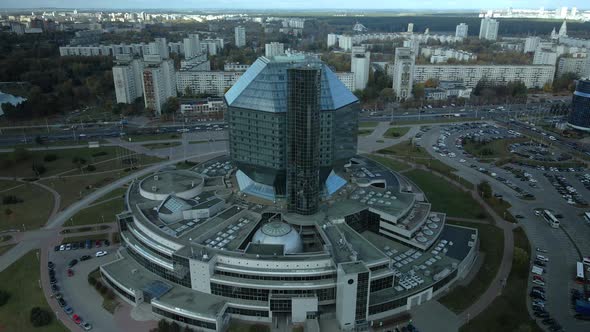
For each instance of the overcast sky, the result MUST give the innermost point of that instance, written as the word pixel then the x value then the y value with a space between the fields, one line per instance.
pixel 296 4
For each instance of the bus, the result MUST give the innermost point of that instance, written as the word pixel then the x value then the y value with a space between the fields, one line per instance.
pixel 550 218
pixel 580 278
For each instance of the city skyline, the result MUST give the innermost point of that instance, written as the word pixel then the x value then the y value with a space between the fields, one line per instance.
pixel 298 4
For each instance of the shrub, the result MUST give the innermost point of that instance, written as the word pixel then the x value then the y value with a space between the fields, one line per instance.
pixel 11 199
pixel 50 157
pixel 91 168
pixel 39 168
pixel 40 317
pixel 92 280
pixel 4 297
pixel 8 212
pixel 100 153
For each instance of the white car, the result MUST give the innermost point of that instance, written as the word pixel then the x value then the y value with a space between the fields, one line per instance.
pixel 538 282
pixel 101 253
pixel 542 258
pixel 461 160
pixel 62 247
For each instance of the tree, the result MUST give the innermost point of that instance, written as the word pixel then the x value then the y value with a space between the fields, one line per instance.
pixel 40 317
pixel 163 326
pixel 50 157
pixel 418 91
pixel 4 297
pixel 520 260
pixel 485 189
pixel 39 169
pixel 174 327
pixel 170 106
pixel 431 83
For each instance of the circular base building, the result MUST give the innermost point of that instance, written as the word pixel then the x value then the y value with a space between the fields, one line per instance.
pixel 318 233
pixel 579 117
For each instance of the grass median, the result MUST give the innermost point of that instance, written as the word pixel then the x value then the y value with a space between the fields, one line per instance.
pixel 508 312
pixel 396 132
pixel 492 246
pixel 31 206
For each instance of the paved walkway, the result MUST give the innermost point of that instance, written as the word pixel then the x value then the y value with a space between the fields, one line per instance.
pixel 375 141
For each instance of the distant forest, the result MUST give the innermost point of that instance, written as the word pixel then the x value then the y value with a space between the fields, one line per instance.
pixel 436 23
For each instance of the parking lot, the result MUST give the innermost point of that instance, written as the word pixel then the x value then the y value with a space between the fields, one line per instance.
pixel 79 300
pixel 559 272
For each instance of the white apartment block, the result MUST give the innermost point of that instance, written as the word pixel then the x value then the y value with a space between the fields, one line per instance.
pixel 206 82
pixel 345 42
pixel 462 30
pixel 159 83
pixel 579 65
pixel 545 57
pixel 533 76
pixel 127 77
pixel 531 44
pixel 489 29
pixel 240 36
pixel 360 66
pixel 347 78
pixel 410 27
pixel 274 49
pixel 235 66
pixel 192 46
pixel 332 39
pixel 160 47
pixel 441 55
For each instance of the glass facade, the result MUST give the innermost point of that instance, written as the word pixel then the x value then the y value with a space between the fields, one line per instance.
pixel 580 113
pixel 362 296
pixel 303 144
pixel 184 319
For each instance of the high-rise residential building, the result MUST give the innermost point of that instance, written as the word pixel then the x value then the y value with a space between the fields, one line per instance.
pixel 347 78
pixel 579 117
pixel 159 82
pixel 240 36
pixel 192 46
pixel 159 47
pixel 531 44
pixel 360 66
pixel 274 49
pixel 345 42
pixel 403 72
pixel 214 83
pixel 257 104
pixel 545 56
pixel 579 65
pixel 462 30
pixel 332 39
pixel 488 29
pixel 410 27
pixel 563 12
pixel 127 77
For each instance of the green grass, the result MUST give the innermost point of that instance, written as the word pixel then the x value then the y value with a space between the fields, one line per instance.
pixel 439 120
pixel 365 132
pixel 492 244
pixel 33 212
pixel 100 212
pixel 154 137
pixel 5 248
pixel 491 150
pixel 508 312
pixel 390 163
pixel 396 132
pixel 10 165
pixel 21 280
pixel 163 145
pixel 72 239
pixel 368 124
pixel 446 197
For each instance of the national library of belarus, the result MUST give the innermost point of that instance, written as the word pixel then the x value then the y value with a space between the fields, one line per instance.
pixel 292 225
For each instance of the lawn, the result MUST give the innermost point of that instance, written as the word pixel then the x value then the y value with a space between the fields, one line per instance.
pixel 33 211
pixel 396 132
pixel 492 245
pixel 435 120
pixel 21 280
pixel 390 163
pixel 154 137
pixel 20 163
pixel 446 197
pixel 509 312
pixel 103 211
pixel 163 145
pixel 368 124
pixel 365 132
pixel 498 148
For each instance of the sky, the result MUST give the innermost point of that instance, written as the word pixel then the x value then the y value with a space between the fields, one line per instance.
pixel 296 4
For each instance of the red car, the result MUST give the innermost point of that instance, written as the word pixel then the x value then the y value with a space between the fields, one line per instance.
pixel 76 319
pixel 70 273
pixel 536 277
pixel 97 244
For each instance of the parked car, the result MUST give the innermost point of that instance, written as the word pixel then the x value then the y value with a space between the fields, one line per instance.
pixel 97 244
pixel 541 314
pixel 68 310
pixel 107 243
pixel 76 319
pixel 70 273
pixel 72 262
pixel 85 257
pixel 56 248
pixel 86 326
pixel 62 247
pixel 88 244
pixel 54 288
pixel 101 253
pixel 542 258
pixel 62 302
pixel 50 265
